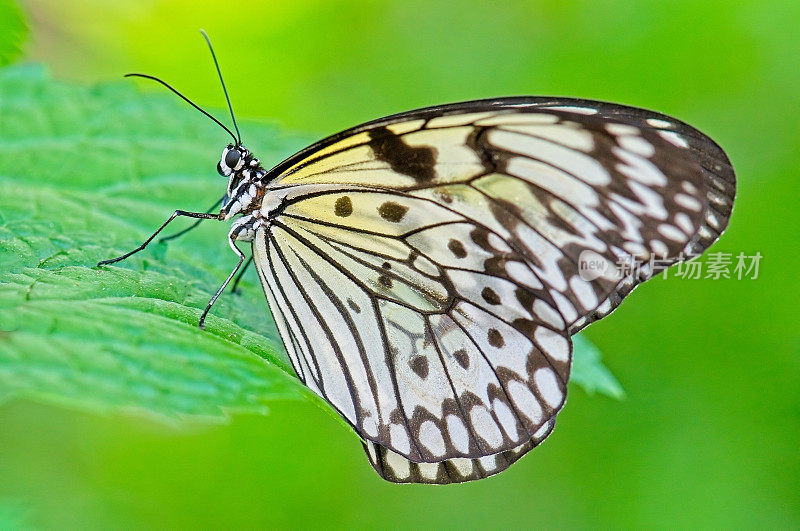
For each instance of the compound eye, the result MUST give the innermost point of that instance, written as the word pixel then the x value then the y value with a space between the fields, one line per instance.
pixel 232 158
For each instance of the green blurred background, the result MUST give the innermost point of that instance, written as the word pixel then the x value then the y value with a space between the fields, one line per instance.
pixel 709 435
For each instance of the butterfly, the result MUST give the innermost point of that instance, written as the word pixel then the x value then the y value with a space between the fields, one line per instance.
pixel 427 270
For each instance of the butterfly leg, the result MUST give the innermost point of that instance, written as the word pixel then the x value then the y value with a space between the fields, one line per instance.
pixel 232 242
pixel 234 289
pixel 177 213
pixel 195 224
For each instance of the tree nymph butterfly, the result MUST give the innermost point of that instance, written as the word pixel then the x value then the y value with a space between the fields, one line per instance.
pixel 424 269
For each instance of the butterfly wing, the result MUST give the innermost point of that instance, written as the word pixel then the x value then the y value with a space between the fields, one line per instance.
pixel 395 468
pixel 432 350
pixel 424 269
pixel 633 178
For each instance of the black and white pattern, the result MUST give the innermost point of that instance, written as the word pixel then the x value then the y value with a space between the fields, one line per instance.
pixel 395 468
pixel 423 268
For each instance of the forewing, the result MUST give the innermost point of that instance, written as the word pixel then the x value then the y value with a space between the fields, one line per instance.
pixel 562 180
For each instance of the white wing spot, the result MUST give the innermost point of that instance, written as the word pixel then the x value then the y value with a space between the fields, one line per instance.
pixel 399 465
pixel 564 306
pixel 547 385
pixel 498 243
pixel 525 401
pixel 653 202
pixel 370 425
pixel 489 462
pixel 659 248
pixel 541 432
pixel 522 274
pixel 639 168
pixel 583 292
pixel 521 118
pixel 622 129
pixel 507 419
pixel 518 449
pixel 636 249
pixel 463 466
pixel 685 223
pixel 485 426
pixel 656 122
pixel 712 220
pixel 270 202
pixel 404 127
pixel 554 344
pixel 689 188
pixel 671 232
pixel 578 110
pixel 458 433
pixel 637 144
pixel 399 438
pixel 547 314
pixel 428 470
pixel 689 202
pixel 431 438
pixel 604 308
pixel 371 452
pixel 674 138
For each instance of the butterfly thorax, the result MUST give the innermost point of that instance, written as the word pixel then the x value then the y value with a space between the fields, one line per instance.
pixel 245 193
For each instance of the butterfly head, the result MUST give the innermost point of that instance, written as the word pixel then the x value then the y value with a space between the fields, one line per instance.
pixel 244 173
pixel 234 159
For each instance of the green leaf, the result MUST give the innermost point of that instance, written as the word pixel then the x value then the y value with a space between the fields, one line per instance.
pixel 87 174
pixel 13 31
pixel 14 514
pixel 589 372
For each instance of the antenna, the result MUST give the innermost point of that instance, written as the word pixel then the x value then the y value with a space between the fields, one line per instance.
pixel 187 100
pixel 225 90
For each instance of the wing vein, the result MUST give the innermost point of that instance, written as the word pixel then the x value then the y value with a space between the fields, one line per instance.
pixel 326 329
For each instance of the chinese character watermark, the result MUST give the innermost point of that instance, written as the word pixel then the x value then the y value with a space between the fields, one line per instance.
pixel 716 266
pixel 751 266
